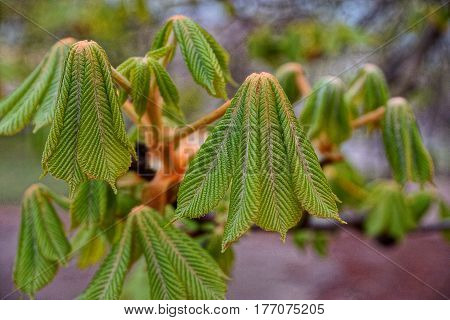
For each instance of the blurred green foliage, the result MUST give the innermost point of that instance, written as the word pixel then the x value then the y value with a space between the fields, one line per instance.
pixel 303 41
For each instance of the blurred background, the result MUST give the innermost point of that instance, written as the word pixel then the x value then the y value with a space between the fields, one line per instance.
pixel 409 40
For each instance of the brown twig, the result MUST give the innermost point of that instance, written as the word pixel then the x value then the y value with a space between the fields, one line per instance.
pixel 370 117
pixel 182 132
pixel 154 114
pixel 302 82
pixel 300 78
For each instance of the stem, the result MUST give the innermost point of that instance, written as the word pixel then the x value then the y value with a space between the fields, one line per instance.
pixel 128 109
pixel 180 133
pixel 300 78
pixel 123 82
pixel 370 117
pixel 154 114
pixel 302 83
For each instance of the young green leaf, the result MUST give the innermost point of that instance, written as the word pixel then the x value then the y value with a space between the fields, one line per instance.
pixel 160 52
pixel 42 242
pixel 36 96
pixel 222 56
pixel 178 268
pixel 90 203
pixel 389 213
pixel 90 244
pixel 168 91
pixel 407 155
pixel 108 280
pixel 162 36
pixel 224 259
pixel 140 81
pixel 125 69
pixel 368 89
pixel 139 70
pixel 88 138
pixel 419 202
pixel 205 58
pixel 259 147
pixel 326 112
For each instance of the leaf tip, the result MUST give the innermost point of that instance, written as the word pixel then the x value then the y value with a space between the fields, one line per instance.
pixel 339 219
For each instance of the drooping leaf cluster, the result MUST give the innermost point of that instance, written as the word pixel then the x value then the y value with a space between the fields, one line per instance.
pixel 346 182
pixel 142 71
pixel 87 139
pixel 260 149
pixel 405 151
pixel 207 61
pixel 178 268
pixel 326 112
pixel 368 90
pixel 35 99
pixel 388 211
pixel 43 245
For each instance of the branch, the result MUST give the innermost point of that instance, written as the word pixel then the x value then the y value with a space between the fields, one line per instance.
pixel 302 83
pixel 369 117
pixel 120 80
pixel 154 114
pixel 128 109
pixel 182 132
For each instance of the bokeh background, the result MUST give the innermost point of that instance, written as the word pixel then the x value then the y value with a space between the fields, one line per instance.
pixel 409 40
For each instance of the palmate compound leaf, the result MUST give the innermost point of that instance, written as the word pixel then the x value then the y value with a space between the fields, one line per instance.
pixel 42 243
pixel 405 151
pixel 87 139
pixel 259 147
pixel 326 111
pixel 141 71
pixel 389 213
pixel 36 97
pixel 178 268
pixel 205 58
pixel 368 90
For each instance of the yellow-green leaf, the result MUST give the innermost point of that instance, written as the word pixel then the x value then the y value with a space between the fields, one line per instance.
pixel 87 139
pixel 42 245
pixel 407 155
pixel 36 97
pixel 260 149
